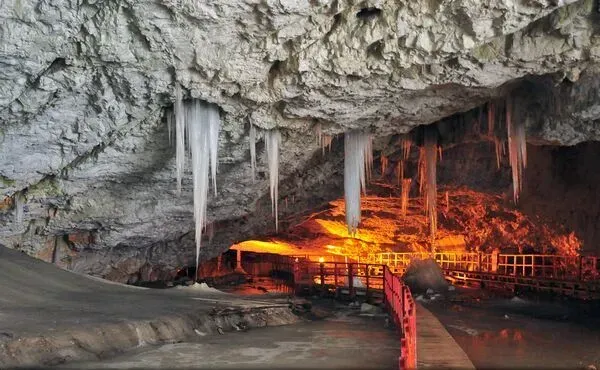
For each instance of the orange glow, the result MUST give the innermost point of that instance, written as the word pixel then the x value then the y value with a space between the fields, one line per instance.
pixel 321 259
pixel 473 220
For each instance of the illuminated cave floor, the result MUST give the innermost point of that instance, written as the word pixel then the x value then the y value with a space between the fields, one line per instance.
pixel 345 340
pixel 520 333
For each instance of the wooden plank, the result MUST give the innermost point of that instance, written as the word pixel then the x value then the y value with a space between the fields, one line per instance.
pixel 436 349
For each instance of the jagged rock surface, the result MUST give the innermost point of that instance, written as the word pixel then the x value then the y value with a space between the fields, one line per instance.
pixel 84 88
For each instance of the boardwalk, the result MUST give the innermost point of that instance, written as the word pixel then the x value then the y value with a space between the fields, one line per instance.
pixel 436 349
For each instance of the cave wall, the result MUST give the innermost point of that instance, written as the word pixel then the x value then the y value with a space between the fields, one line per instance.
pixel 563 183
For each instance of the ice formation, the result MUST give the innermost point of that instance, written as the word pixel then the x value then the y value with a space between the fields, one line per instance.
pixel 19 208
pixel 170 118
pixel 430 162
pixel 252 140
pixel 357 158
pixel 405 195
pixel 179 135
pixel 384 165
pixel 517 150
pixel 200 122
pixel 272 140
pixel 405 143
pixel 400 172
pixel 323 140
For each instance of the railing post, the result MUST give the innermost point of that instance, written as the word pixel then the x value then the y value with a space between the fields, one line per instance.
pixel 367 273
pixel 579 268
pixel 335 274
pixel 495 254
pixel 350 281
pixel 322 272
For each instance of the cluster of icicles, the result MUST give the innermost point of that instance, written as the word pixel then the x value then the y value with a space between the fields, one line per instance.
pixel 197 124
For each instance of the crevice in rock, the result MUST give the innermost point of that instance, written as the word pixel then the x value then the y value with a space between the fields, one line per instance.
pixel 369 13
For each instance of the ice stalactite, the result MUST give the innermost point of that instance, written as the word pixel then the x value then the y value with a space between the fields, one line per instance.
pixel 421 171
pixel 499 148
pixel 400 172
pixel 405 195
pixel 203 124
pixel 214 126
pixel 356 149
pixel 323 140
pixel 440 152
pixel 170 119
pixel 405 144
pixel 447 202
pixel 491 117
pixel 19 204
pixel 430 149
pixel 326 142
pixel 179 114
pixel 272 141
pixel 252 140
pixel 517 150
pixel 367 143
pixel 384 165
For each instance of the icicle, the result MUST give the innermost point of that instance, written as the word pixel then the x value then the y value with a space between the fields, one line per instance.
pixel 170 118
pixel 252 140
pixel 367 142
pixel 440 152
pixel 214 126
pixel 179 135
pixel 517 150
pixel 491 116
pixel 447 202
pixel 19 208
pixel 326 143
pixel 384 165
pixel 430 145
pixel 499 148
pixel 400 172
pixel 200 122
pixel 405 144
pixel 404 195
pixel 354 176
pixel 272 140
pixel 319 133
pixel 421 171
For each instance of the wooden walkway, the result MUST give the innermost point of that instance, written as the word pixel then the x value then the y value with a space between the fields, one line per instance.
pixel 436 349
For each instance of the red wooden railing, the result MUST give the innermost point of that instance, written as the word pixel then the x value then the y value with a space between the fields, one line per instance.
pixel 402 306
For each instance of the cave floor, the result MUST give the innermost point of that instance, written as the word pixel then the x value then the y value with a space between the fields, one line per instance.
pixel 344 340
pixel 37 298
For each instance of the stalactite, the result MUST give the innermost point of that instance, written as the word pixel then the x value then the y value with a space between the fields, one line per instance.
pixel 491 116
pixel 440 150
pixel 356 147
pixel 179 135
pixel 384 165
pixel 499 148
pixel 400 172
pixel 421 171
pixel 368 156
pixel 430 149
pixel 19 204
pixel 404 195
pixel 517 150
pixel 203 124
pixel 272 141
pixel 326 143
pixel 252 140
pixel 405 143
pixel 170 119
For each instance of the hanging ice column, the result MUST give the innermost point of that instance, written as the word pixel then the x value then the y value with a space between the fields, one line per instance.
pixel 272 140
pixel 517 150
pixel 252 140
pixel 357 159
pixel 201 122
pixel 430 154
